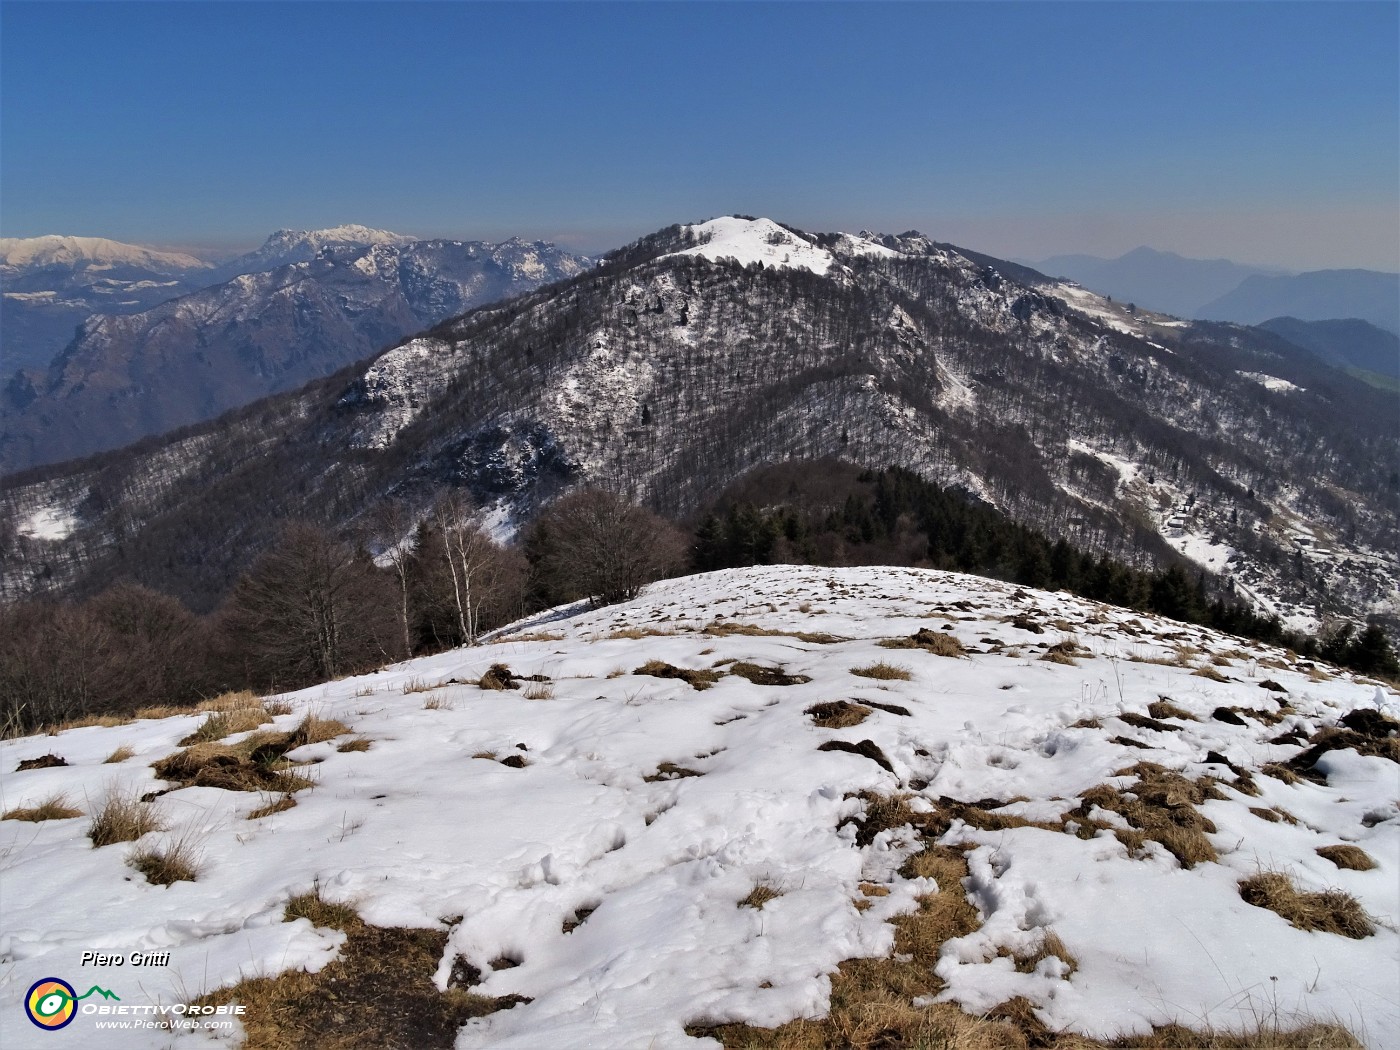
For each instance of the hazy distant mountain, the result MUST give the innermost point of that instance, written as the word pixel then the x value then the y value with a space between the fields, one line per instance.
pixel 1156 280
pixel 1320 295
pixel 194 357
pixel 52 284
pixel 294 246
pixel 1349 343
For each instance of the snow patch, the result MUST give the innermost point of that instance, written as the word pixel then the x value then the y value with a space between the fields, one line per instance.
pixel 751 241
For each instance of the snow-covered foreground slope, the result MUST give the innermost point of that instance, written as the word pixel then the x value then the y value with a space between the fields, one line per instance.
pixel 661 807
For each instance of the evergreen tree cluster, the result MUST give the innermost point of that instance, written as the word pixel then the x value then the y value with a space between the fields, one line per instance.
pixel 893 516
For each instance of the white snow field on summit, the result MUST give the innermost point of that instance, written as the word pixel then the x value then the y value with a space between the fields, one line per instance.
pixel 415 831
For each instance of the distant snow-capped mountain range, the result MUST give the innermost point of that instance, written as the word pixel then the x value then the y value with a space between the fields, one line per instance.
pixel 303 305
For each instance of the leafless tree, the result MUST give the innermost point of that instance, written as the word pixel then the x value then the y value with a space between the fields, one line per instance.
pixel 476 563
pixel 594 544
pixel 392 528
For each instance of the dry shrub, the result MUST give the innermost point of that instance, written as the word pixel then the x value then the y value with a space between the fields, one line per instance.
pixel 55 807
pixel 883 671
pixel 661 669
pixel 837 714
pixel 1331 911
pixel 122 817
pixel 176 861
pixel 1161 807
pixel 121 754
pixel 1353 858
pixel 759 896
pixel 760 675
pixel 1166 709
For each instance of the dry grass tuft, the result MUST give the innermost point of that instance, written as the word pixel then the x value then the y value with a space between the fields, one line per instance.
pixel 255 763
pixel 499 677
pixel 122 817
pixel 177 861
pixel 760 675
pixel 240 700
pixel 81 722
pixel 276 805
pixel 759 896
pixel 277 707
pixel 220 724
pixel 315 730
pixel 162 711
pixel 1265 1037
pixel 1353 858
pixel 437 702
pixel 1211 673
pixel 660 669
pixel 379 992
pixel 1051 947
pixel 321 912
pixel 837 714
pixel 719 627
pixel 121 754
pixel 539 691
pixel 1161 807
pixel 358 744
pixel 883 671
pixel 1166 709
pixel 1331 911
pixel 55 807
pixel 935 642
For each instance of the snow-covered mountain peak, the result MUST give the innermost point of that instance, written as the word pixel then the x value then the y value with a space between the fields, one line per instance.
pixel 56 250
pixel 346 234
pixel 757 240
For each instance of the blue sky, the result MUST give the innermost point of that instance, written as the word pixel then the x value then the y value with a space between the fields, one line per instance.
pixel 1265 132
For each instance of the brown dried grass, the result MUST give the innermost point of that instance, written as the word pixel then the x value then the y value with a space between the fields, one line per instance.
pixel 883 671
pixel 122 817
pixel 1352 858
pixel 1331 911
pixel 55 807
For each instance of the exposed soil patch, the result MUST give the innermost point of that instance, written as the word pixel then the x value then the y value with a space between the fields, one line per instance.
pixel 499 676
pixel 865 748
pixel 42 762
pixel 671 771
pixel 661 669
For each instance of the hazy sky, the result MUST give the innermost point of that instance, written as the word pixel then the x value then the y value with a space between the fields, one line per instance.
pixel 1264 132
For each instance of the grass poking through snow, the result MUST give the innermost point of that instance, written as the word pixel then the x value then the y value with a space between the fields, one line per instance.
pixel 55 807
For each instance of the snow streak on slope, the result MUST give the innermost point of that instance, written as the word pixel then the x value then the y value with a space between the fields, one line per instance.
pixel 660 807
pixel 757 240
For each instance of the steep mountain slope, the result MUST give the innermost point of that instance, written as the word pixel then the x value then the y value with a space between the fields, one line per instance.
pixel 1347 343
pixel 190 359
pixel 1317 296
pixel 51 284
pixel 703 801
pixel 1154 279
pixel 673 367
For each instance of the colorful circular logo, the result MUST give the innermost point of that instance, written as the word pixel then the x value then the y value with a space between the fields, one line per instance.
pixel 51 1003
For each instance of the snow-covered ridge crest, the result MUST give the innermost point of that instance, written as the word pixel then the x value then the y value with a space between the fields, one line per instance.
pixel 56 250
pixel 750 241
pixel 606 836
